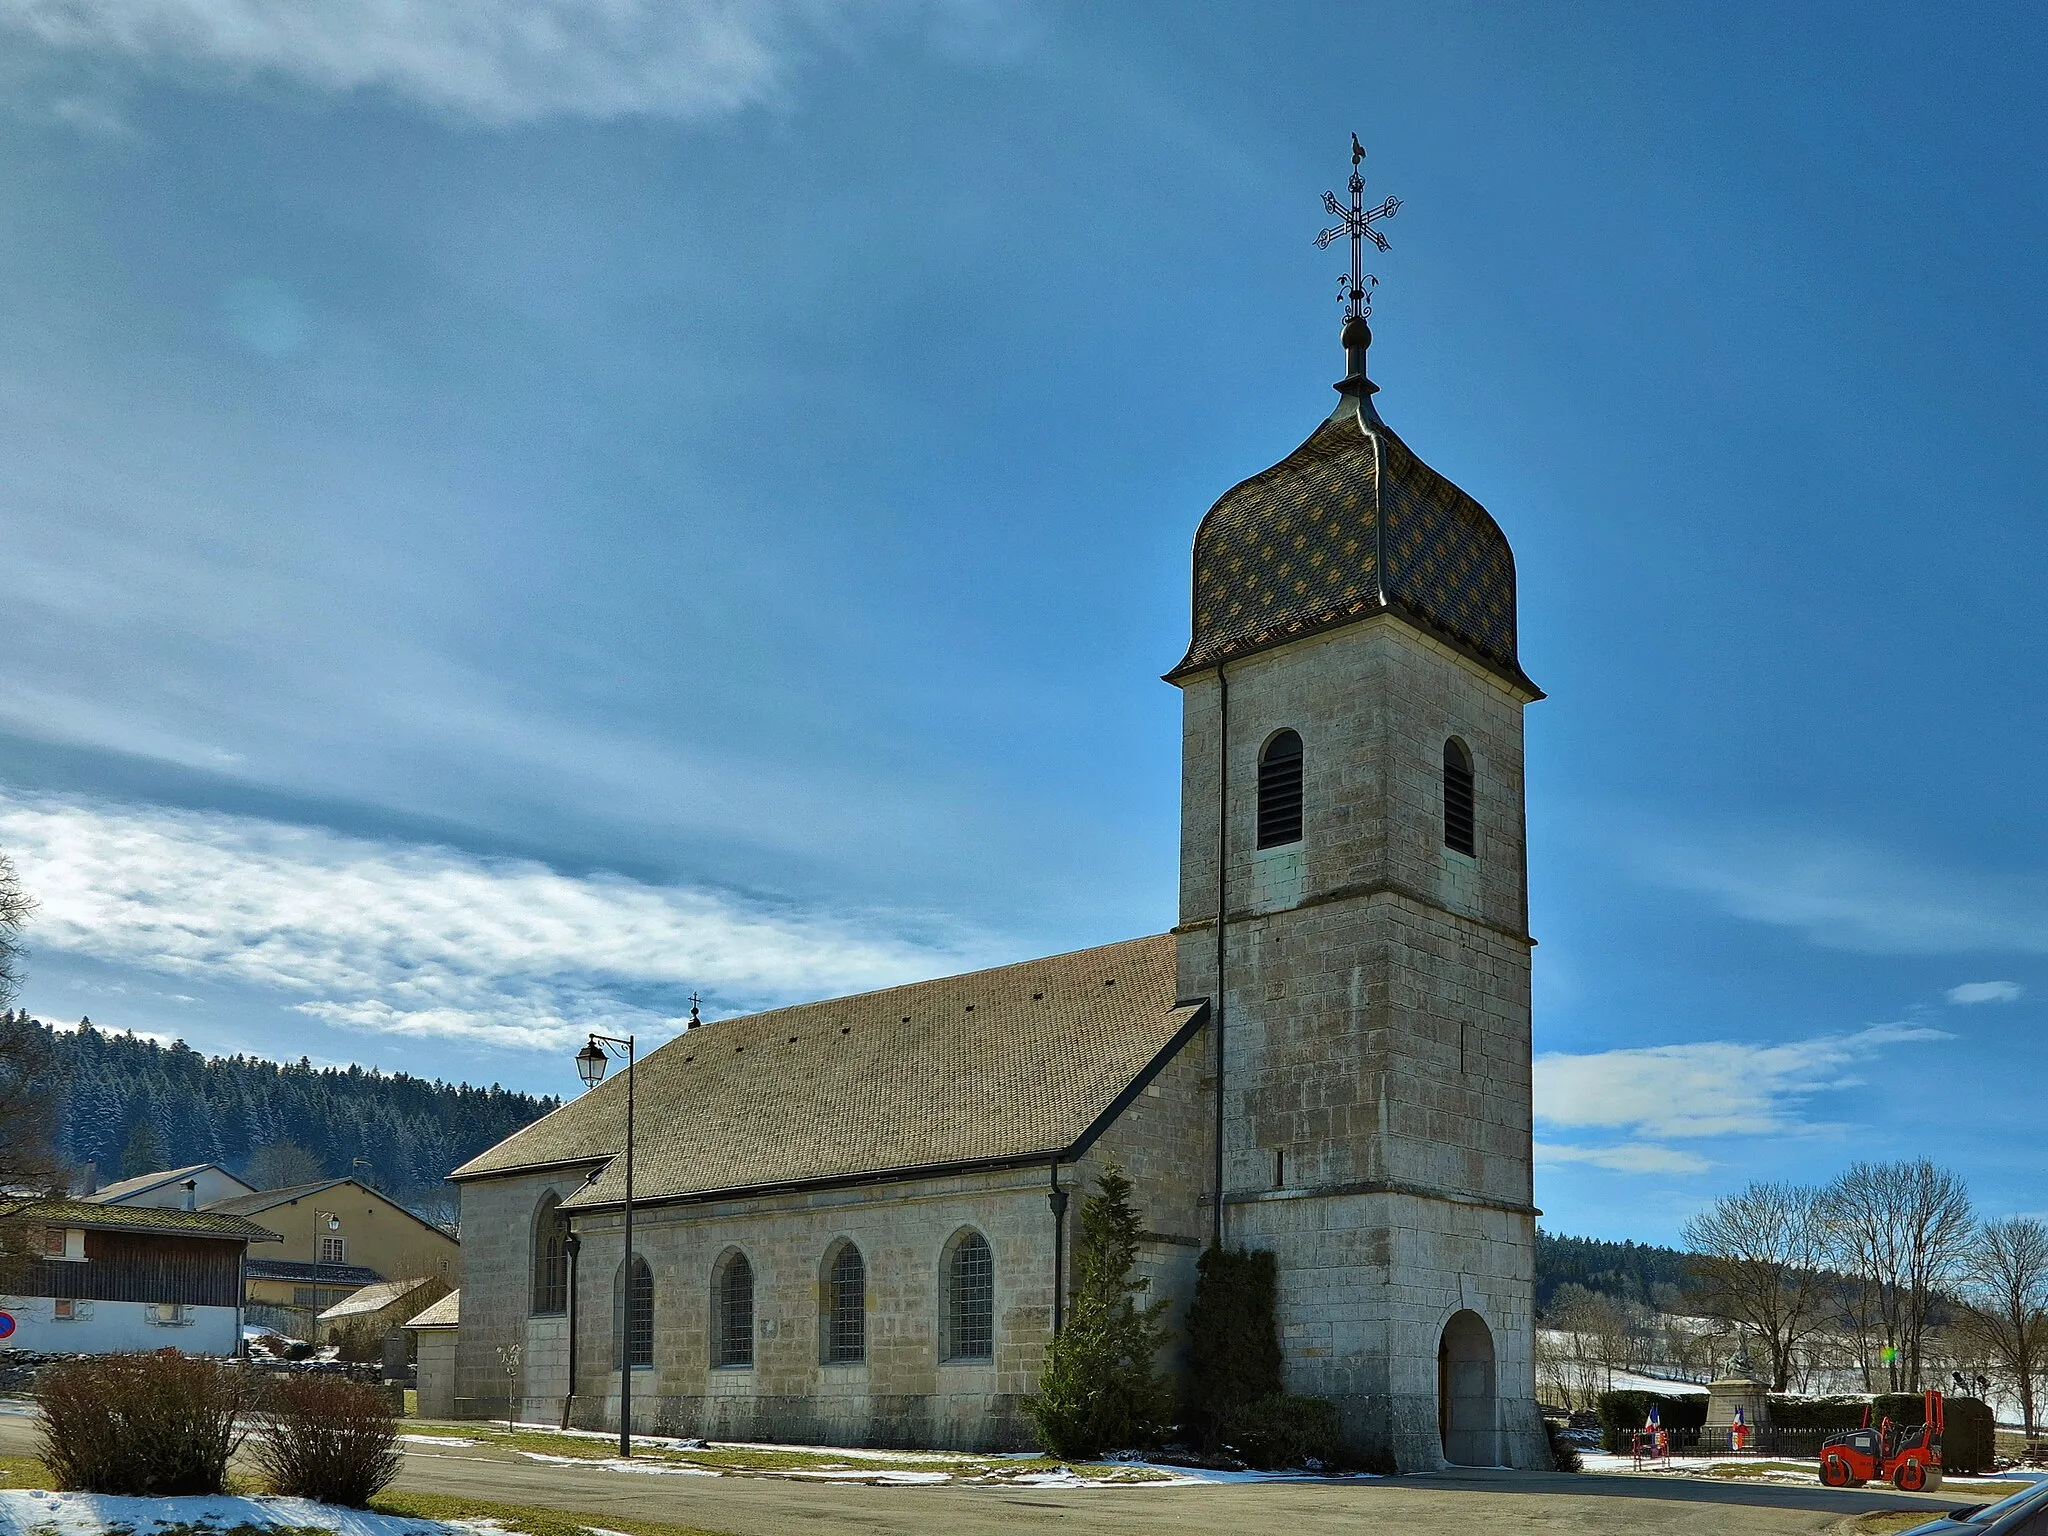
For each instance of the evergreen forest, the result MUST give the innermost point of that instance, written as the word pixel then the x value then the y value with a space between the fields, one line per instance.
pixel 131 1105
pixel 1638 1272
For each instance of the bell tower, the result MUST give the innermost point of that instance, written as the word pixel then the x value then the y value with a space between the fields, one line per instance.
pixel 1354 903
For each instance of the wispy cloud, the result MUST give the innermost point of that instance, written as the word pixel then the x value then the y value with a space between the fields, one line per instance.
pixel 425 940
pixel 1985 992
pixel 1624 1157
pixel 502 61
pixel 1701 1089
pixel 1858 899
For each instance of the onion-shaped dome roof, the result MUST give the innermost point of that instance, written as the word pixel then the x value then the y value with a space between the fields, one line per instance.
pixel 1349 525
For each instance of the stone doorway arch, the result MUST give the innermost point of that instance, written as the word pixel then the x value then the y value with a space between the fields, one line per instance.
pixel 1466 1416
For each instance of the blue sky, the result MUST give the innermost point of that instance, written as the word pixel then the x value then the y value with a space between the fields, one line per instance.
pixel 512 512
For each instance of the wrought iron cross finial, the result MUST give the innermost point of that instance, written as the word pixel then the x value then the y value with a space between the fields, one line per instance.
pixel 1358 224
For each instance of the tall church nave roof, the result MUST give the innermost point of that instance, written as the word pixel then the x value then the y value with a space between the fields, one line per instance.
pixel 1001 1066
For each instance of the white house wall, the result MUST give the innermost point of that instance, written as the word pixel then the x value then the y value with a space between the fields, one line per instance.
pixel 119 1327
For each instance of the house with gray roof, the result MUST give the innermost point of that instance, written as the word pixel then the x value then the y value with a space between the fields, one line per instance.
pixel 109 1279
pixel 188 1188
pixel 852 1219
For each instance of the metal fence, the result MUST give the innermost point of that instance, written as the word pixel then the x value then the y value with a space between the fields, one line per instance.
pixel 1722 1443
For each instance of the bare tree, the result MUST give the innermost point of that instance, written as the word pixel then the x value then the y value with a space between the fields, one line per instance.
pixel 1901 1230
pixel 27 1109
pixel 28 1161
pixel 281 1164
pixel 1757 1262
pixel 16 907
pixel 2005 1300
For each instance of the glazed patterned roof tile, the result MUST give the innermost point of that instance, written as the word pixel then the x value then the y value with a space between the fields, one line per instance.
pixel 1351 524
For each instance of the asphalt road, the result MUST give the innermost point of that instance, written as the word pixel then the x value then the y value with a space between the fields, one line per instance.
pixel 1463 1504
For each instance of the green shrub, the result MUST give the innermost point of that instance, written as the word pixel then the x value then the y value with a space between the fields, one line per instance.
pixel 152 1425
pixel 1233 1338
pixel 1281 1431
pixel 1099 1390
pixel 1563 1454
pixel 1969 1437
pixel 1969 1427
pixel 1622 1413
pixel 1829 1413
pixel 320 1437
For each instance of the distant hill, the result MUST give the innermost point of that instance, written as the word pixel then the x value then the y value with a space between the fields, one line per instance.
pixel 133 1106
pixel 1628 1271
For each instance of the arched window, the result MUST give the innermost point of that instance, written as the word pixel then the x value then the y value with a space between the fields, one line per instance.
pixel 970 1299
pixel 550 1257
pixel 1280 791
pixel 732 1304
pixel 1459 821
pixel 845 1330
pixel 633 1338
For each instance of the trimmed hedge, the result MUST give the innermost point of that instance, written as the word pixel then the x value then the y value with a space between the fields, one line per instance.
pixel 1833 1414
pixel 1623 1413
pixel 1969 1441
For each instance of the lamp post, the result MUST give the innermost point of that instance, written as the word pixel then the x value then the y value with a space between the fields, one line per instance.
pixel 591 1062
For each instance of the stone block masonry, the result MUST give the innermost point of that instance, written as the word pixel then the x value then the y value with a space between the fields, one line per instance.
pixel 1377 1050
pixel 903 1393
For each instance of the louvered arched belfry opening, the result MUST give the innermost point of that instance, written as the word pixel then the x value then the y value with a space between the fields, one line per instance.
pixel 1280 767
pixel 1461 809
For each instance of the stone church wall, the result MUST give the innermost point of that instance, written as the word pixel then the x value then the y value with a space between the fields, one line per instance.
pixel 903 1394
pixel 1163 1142
pixel 1376 1020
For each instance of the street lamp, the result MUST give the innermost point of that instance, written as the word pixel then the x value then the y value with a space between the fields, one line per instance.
pixel 591 1062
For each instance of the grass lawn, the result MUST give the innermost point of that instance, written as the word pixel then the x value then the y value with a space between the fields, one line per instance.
pixel 755 1460
pixel 1887 1522
pixel 22 1472
pixel 530 1519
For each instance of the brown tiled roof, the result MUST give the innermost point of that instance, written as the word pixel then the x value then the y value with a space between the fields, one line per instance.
pixel 445 1313
pixel 1349 525
pixel 135 1218
pixel 1004 1065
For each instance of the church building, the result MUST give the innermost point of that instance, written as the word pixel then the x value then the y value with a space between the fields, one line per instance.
pixel 852 1218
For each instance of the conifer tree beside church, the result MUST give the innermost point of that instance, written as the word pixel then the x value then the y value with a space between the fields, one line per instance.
pixel 1100 1390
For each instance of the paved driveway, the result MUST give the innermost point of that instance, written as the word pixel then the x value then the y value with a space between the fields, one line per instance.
pixel 1472 1503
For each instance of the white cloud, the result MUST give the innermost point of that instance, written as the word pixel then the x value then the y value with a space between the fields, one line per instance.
pixel 1985 992
pixel 425 940
pixel 1625 1157
pixel 503 61
pixel 1856 899
pixel 1707 1087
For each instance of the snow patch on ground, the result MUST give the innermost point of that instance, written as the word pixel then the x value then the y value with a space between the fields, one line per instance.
pixel 437 1440
pixel 94 1514
pixel 621 1464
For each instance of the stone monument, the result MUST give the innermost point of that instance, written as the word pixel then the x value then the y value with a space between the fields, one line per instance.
pixel 1737 1388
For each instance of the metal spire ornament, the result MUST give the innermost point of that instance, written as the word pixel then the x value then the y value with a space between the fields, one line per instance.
pixel 1358 224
